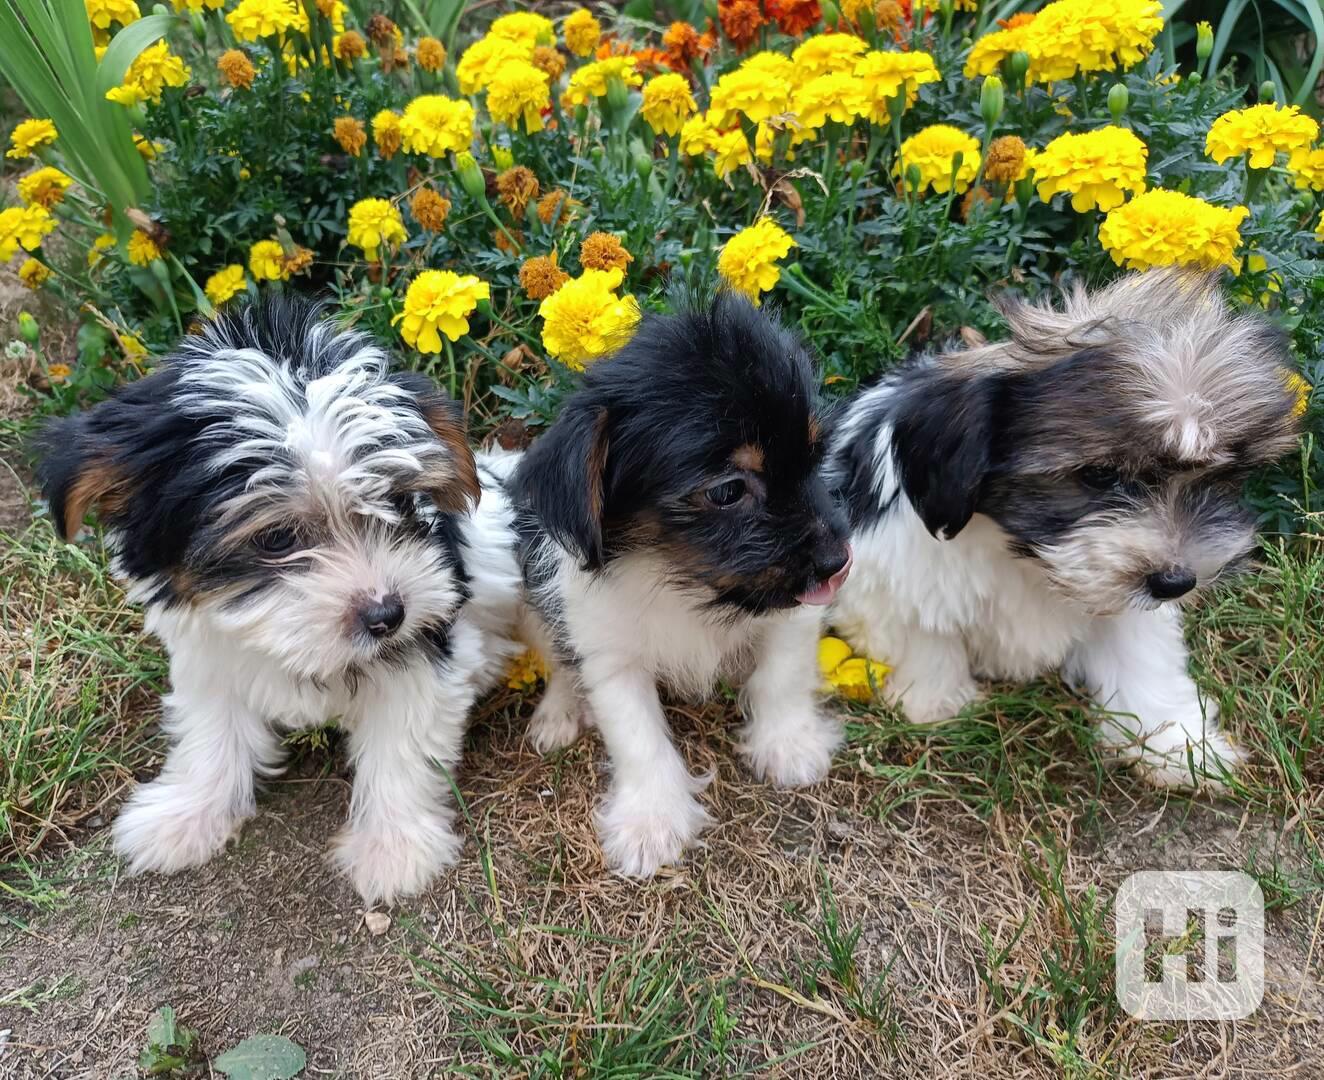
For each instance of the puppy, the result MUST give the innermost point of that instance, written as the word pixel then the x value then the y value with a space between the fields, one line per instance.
pixel 297 521
pixel 1050 501
pixel 675 529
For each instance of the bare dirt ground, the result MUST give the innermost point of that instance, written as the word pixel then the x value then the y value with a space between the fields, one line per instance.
pixel 267 938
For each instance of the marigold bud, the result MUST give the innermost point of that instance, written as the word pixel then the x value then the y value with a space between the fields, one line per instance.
pixel 991 100
pixel 1118 99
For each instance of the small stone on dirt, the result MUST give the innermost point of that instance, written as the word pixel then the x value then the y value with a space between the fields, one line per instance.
pixel 377 922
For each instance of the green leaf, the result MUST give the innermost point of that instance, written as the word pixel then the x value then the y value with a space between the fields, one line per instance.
pixel 262 1057
pixel 161 1028
pixel 125 47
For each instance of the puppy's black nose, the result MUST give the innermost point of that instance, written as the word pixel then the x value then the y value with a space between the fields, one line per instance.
pixel 382 618
pixel 830 561
pixel 1171 583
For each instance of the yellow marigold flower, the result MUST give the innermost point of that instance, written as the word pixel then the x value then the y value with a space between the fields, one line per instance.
pixel 482 60
pixel 519 90
pixel 603 251
pixel 33 273
pixel 142 248
pixel 266 261
pixel 823 53
pixel 102 13
pixel 502 157
pixel 430 209
pixel 582 32
pixel 934 151
pixel 539 277
pixel 517 187
pixel 748 261
pixel 430 54
pixel 227 282
pixel 1261 131
pixel 57 373
pixel 524 26
pixel 23 227
pixel 556 209
pixel 667 103
pixel 585 319
pixel 253 20
pixel 439 302
pixel 1301 389
pixel 730 151
pixel 885 74
pixel 349 46
pixel 1167 228
pixel 751 92
pixel 236 69
pixel 100 246
pixel 147 148
pixel 837 96
pixel 549 61
pixel 155 68
pixel 697 135
pixel 133 348
pixel 386 133
pixel 987 54
pixel 350 134
pixel 1069 37
pixel 1006 160
pixel 1097 167
pixel 299 260
pixel 30 136
pixel 45 186
pixel 434 124
pixel 591 80
pixel 372 223
pixel 526 671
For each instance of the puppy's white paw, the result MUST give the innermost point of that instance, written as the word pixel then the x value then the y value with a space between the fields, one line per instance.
pixel 1167 761
pixel 556 723
pixel 792 755
pixel 165 828
pixel 386 862
pixel 931 704
pixel 644 829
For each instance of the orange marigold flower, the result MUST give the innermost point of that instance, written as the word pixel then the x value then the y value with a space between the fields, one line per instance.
pixel 350 46
pixel 602 251
pixel 517 186
pixel 510 244
pixel 381 30
pixel 387 133
pixel 555 208
pixel 741 21
pixel 681 42
pixel 350 134
pixel 539 277
pixel 236 69
pixel 1021 18
pixel 549 60
pixel 1005 161
pixel 298 260
pixel 794 17
pixel 430 209
pixel 430 54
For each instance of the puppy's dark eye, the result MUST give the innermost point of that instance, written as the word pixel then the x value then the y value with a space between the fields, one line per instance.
pixel 276 541
pixel 727 493
pixel 1100 477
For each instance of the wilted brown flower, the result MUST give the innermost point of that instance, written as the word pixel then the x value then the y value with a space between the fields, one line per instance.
pixel 351 135
pixel 386 132
pixel 887 14
pixel 1005 159
pixel 516 187
pixel 510 243
pixel 540 277
pixel 298 260
pixel 555 208
pixel 327 8
pixel 681 42
pixel 350 46
pixel 976 196
pixel 381 30
pixel 548 59
pixel 430 209
pixel 430 54
pixel 236 69
pixel 602 251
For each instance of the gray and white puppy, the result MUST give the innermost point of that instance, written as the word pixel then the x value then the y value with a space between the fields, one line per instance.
pixel 1051 500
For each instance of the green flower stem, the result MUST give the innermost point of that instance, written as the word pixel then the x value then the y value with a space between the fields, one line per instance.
pixel 452 374
pixel 1254 179
pixel 796 280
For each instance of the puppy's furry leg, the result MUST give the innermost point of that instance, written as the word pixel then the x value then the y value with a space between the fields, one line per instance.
pixel 560 715
pixel 651 813
pixel 788 739
pixel 409 722
pixel 1134 665
pixel 206 789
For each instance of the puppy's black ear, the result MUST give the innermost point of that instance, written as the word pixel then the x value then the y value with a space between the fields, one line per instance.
pixel 458 491
pixel 943 438
pixel 562 480
pixel 77 470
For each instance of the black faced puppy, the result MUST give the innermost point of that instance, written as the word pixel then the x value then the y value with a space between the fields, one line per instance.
pixel 676 529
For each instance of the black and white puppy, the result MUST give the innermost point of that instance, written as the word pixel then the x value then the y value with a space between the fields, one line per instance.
pixel 676 529
pixel 299 523
pixel 1049 502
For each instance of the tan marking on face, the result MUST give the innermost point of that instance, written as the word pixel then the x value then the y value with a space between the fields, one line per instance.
pixel 748 457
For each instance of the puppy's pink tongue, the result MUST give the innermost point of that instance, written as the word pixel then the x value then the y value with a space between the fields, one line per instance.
pixel 822 594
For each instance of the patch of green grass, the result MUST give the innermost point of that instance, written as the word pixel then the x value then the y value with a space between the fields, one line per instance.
pixel 79 669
